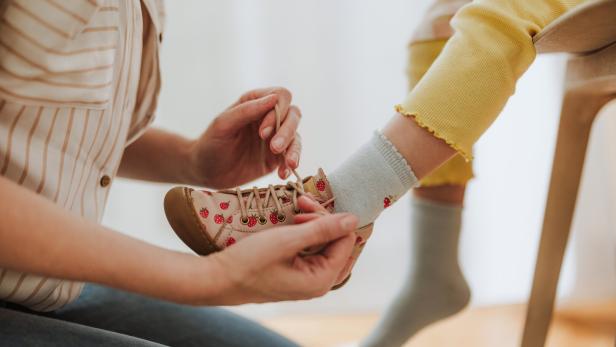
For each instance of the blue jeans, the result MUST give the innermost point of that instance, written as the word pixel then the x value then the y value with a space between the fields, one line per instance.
pixel 107 317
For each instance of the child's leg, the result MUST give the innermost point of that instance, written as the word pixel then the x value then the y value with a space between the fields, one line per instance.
pixel 434 287
pixel 460 96
pixel 453 104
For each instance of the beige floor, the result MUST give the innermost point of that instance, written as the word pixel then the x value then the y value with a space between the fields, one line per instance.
pixel 579 326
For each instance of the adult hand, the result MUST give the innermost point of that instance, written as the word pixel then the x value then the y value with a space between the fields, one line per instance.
pixel 267 267
pixel 234 149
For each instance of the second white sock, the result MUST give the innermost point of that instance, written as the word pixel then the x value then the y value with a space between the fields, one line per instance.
pixel 435 287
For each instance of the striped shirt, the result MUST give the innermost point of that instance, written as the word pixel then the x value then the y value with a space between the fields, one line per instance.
pixel 79 80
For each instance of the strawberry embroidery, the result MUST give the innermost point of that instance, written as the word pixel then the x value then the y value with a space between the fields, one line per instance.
pixel 321 185
pixel 224 205
pixel 388 201
pixel 219 219
pixel 230 241
pixel 229 219
pixel 204 212
pixel 274 218
pixel 252 221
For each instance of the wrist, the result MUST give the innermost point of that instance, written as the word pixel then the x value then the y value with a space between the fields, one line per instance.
pixel 198 281
pixel 190 170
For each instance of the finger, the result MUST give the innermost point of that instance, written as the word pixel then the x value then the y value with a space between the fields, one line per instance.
pixel 283 137
pixel 331 259
pixel 271 161
pixel 283 170
pixel 306 217
pixel 247 112
pixel 303 218
pixel 306 203
pixel 266 129
pixel 338 252
pixel 268 125
pixel 282 92
pixel 294 152
pixel 317 232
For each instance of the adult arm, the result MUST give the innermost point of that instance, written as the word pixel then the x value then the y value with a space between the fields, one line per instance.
pixel 37 236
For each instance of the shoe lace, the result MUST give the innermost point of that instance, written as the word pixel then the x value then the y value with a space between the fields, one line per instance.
pixel 272 193
pixel 252 198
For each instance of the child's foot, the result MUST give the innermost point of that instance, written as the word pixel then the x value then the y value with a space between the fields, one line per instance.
pixel 211 221
pixel 435 287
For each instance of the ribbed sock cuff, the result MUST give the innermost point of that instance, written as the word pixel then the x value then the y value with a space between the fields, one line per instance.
pixel 395 160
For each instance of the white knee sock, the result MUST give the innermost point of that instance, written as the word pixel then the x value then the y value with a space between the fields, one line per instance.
pixel 371 179
pixel 435 287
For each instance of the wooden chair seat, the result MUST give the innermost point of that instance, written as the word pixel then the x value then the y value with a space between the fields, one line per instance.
pixel 586 28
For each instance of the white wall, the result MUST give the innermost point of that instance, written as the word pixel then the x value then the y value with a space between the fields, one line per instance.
pixel 344 60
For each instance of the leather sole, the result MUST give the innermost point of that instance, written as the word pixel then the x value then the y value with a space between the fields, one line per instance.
pixel 185 222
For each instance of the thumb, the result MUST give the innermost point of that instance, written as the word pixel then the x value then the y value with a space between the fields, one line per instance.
pixel 319 231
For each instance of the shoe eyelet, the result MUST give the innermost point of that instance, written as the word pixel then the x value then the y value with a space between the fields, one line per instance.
pixel 281 217
pixel 262 220
pixel 297 211
pixel 244 220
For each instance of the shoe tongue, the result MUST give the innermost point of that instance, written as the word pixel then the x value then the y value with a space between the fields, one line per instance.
pixel 310 186
pixel 318 186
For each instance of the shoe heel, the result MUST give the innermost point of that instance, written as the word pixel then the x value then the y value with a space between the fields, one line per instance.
pixel 185 222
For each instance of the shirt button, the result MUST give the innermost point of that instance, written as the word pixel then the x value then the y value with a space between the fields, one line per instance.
pixel 105 181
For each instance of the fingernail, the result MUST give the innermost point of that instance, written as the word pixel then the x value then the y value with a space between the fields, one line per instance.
pixel 267 132
pixel 348 222
pixel 286 173
pixel 278 142
pixel 294 158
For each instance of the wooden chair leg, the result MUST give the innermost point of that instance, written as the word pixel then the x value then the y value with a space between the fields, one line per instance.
pixel 579 110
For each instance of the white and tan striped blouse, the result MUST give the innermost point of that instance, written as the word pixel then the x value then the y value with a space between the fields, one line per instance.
pixel 79 81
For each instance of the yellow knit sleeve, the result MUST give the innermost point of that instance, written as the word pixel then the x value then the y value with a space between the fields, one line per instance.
pixel 475 74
